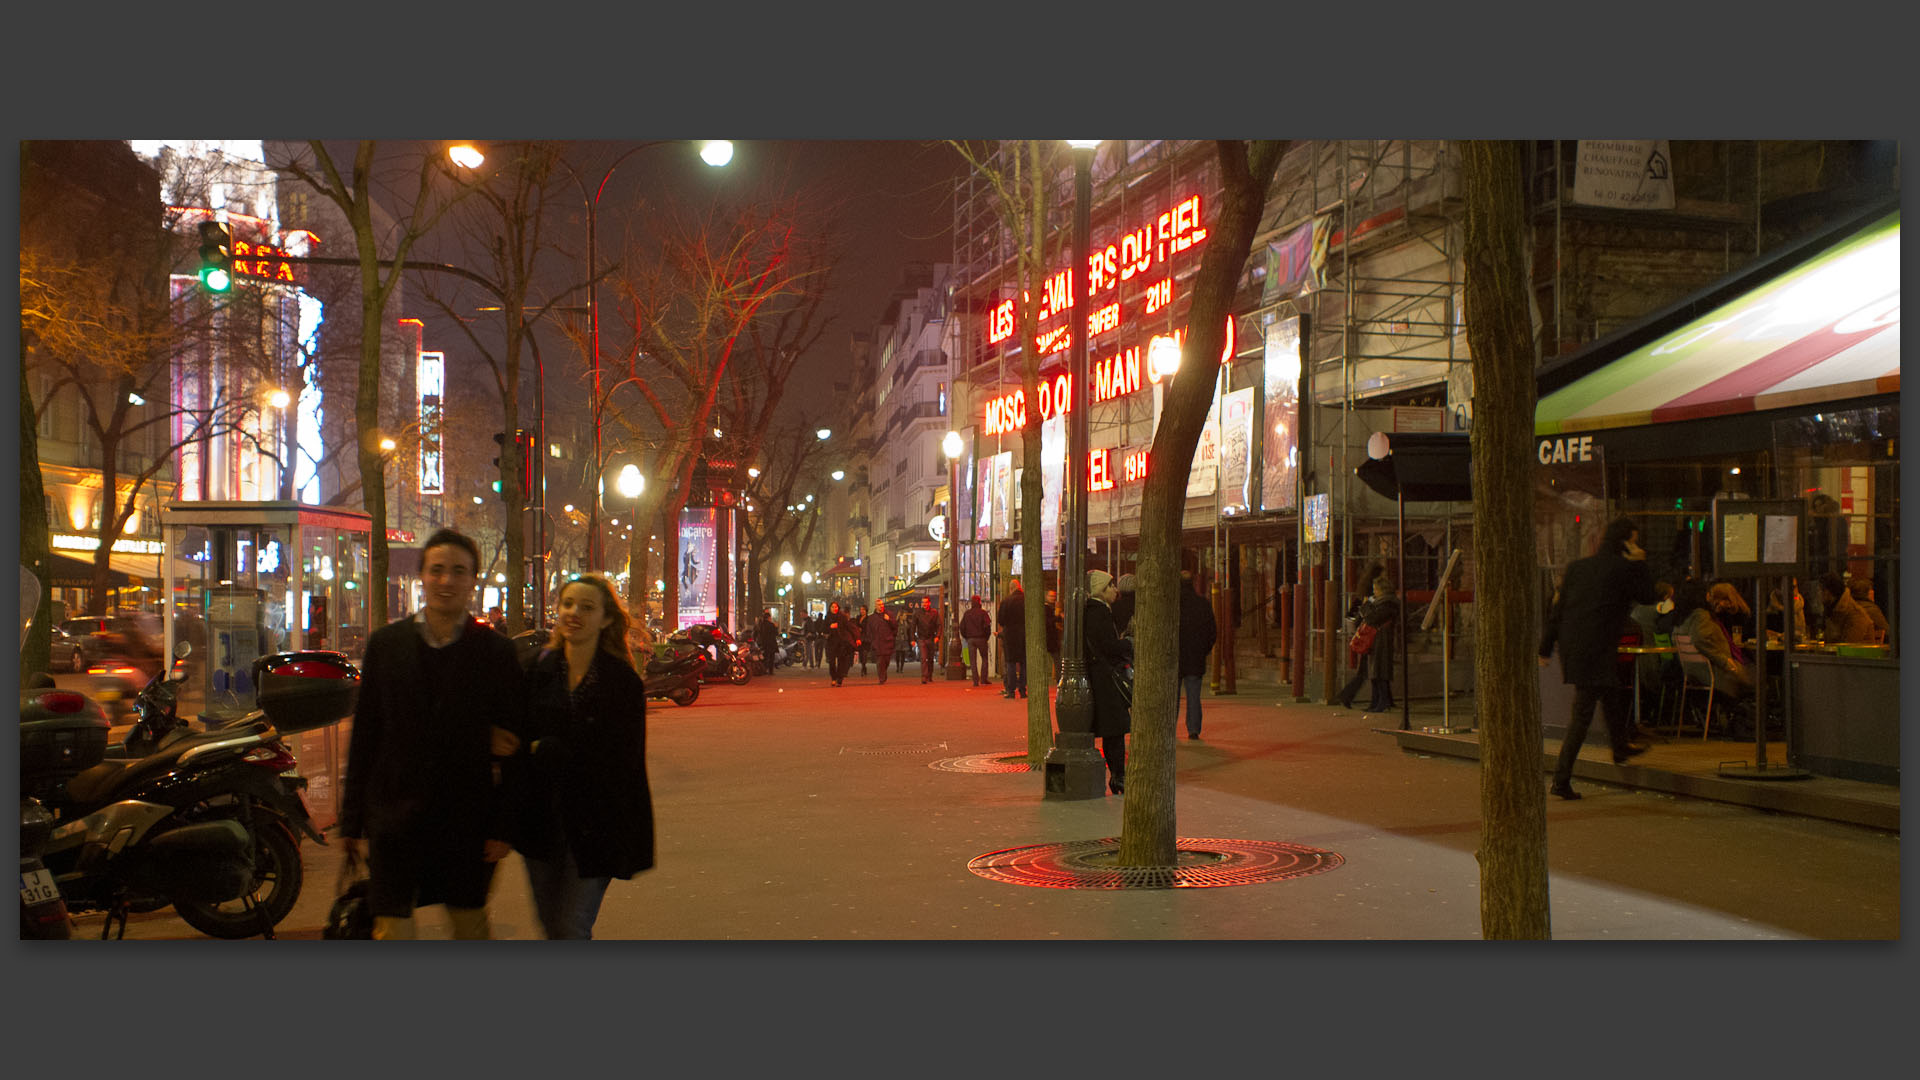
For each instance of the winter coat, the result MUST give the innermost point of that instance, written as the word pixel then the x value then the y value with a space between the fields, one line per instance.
pixel 1054 627
pixel 1123 611
pixel 840 633
pixel 420 758
pixel 1730 676
pixel 879 633
pixel 1586 620
pixel 767 636
pixel 976 625
pixel 1109 661
pixel 1011 618
pixel 583 768
pixel 1197 632
pixel 1381 612
pixel 926 625
pixel 1847 621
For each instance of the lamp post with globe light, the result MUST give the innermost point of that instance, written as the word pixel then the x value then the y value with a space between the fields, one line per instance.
pixel 631 484
pixel 952 446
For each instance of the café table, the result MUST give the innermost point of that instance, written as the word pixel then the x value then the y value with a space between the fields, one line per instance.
pixel 1637 651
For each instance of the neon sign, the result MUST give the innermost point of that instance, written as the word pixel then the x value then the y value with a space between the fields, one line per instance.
pixel 1112 377
pixel 263 261
pixel 1104 473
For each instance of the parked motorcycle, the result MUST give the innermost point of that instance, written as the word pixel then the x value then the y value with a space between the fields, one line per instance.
pixel 676 679
pixel 724 662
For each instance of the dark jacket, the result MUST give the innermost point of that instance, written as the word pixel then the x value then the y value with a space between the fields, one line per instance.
pixel 583 770
pixel 1381 612
pixel 1054 628
pixel 840 632
pixel 976 625
pixel 1011 618
pixel 1197 632
pixel 420 756
pixel 1586 621
pixel 879 632
pixel 1123 611
pixel 1109 660
pixel 926 625
pixel 767 636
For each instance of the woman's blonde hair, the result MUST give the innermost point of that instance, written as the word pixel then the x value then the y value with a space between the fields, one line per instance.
pixel 613 636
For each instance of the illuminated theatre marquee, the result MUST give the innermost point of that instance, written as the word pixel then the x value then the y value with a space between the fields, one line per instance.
pixel 1123 372
pixel 265 261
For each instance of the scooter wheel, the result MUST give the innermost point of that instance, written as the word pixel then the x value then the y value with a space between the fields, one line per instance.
pixel 684 697
pixel 277 875
pixel 738 675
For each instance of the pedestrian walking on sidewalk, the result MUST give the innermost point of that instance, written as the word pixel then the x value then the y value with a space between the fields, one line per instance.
pixel 1109 659
pixel 1054 626
pixel 976 629
pixel 442 699
pixel 1374 663
pixel 1123 607
pixel 766 635
pixel 926 632
pixel 586 812
pixel 903 644
pixel 880 634
pixel 1197 635
pixel 1010 620
pixel 861 648
pixel 840 637
pixel 1585 623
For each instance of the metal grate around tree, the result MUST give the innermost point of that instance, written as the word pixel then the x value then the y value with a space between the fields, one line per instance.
pixel 1207 863
pixel 1015 762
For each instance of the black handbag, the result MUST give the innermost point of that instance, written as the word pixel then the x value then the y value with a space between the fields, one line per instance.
pixel 351 917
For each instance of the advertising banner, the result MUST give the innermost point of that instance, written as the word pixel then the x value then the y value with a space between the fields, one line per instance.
pixel 699 599
pixel 1236 449
pixel 1002 495
pixel 1053 483
pixel 1204 475
pixel 1279 442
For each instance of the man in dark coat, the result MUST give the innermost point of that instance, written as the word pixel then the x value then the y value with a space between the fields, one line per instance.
pixel 840 638
pixel 976 629
pixel 1585 622
pixel 1109 659
pixel 1197 635
pixel 767 636
pixel 1010 619
pixel 880 634
pixel 441 696
pixel 926 631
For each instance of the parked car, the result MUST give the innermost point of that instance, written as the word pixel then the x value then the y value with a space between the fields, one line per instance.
pixel 67 655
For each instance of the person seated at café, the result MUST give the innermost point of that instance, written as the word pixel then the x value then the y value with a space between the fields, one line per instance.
pixel 1862 591
pixel 1776 612
pixel 1707 615
pixel 1847 623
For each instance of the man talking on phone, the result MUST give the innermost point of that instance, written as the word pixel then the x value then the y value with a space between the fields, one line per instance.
pixel 1585 622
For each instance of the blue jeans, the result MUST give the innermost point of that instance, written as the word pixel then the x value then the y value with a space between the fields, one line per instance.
pixel 1014 675
pixel 1189 685
pixel 567 903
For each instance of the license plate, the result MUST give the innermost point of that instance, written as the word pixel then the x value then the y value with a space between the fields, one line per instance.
pixel 37 887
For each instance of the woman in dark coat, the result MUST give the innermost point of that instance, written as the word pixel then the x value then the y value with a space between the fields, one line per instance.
pixel 1109 660
pixel 586 810
pixel 1378 611
pixel 841 635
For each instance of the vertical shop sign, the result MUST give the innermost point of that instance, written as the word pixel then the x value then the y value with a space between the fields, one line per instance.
pixel 699 601
pixel 1236 449
pixel 1279 442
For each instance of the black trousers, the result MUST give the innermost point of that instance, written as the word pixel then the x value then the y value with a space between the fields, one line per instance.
pixel 838 663
pixel 1614 702
pixel 1114 749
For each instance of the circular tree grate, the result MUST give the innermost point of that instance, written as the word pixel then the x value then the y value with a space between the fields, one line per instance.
pixel 984 763
pixel 895 748
pixel 1200 864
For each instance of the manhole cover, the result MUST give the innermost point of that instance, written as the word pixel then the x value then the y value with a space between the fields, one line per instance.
pixel 1201 864
pixel 984 763
pixel 895 748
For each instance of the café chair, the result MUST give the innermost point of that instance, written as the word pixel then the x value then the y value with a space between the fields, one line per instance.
pixel 1696 676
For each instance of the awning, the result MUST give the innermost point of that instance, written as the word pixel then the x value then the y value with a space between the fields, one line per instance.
pixel 1825 329
pixel 927 584
pixel 71 573
pixel 1423 466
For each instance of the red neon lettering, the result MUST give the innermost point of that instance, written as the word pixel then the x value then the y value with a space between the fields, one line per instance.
pixel 1099 476
pixel 1135 466
pixel 1000 323
pixel 1159 295
pixel 1107 318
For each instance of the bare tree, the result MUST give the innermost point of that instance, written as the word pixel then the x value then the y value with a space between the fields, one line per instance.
pixel 1513 822
pixel 1020 175
pixel 1148 835
pixel 354 195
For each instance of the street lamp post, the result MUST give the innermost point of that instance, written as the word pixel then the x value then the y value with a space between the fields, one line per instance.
pixel 631 485
pixel 1072 769
pixel 956 662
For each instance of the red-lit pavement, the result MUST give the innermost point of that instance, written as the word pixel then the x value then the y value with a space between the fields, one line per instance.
pixel 792 809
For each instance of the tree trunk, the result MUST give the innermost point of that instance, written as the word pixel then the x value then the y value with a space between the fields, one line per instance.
pixel 1148 833
pixel 35 548
pixel 1513 830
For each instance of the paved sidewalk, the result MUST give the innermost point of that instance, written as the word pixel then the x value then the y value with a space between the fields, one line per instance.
pixel 790 809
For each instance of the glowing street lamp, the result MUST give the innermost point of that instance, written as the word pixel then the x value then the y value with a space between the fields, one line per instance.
pixel 824 434
pixel 466 156
pixel 952 446
pixel 839 474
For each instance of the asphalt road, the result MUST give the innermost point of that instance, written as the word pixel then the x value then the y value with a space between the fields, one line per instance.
pixel 789 809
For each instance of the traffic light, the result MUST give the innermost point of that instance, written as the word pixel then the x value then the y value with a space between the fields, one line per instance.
pixel 525 440
pixel 216 257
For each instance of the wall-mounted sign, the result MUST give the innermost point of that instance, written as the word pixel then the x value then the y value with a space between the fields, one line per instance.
pixel 937 527
pixel 125 545
pixel 430 380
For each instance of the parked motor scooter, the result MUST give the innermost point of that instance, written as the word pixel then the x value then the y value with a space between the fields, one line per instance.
pixel 675 678
pixel 724 664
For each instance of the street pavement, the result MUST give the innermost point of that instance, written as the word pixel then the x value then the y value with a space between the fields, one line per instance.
pixel 790 809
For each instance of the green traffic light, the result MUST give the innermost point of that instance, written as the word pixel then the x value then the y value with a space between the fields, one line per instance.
pixel 496 487
pixel 216 280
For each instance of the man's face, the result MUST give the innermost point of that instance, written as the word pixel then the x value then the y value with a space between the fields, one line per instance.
pixel 926 603
pixel 448 573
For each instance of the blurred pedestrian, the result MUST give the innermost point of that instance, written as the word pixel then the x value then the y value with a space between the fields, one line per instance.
pixel 1109 659
pixel 1584 623
pixel 904 641
pixel 976 629
pixel 860 646
pixel 881 635
pixel 840 637
pixel 1123 607
pixel 586 812
pixel 1010 621
pixel 1375 617
pixel 926 633
pixel 1197 635
pixel 441 698
pixel 816 638
pixel 1054 625
pixel 766 635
